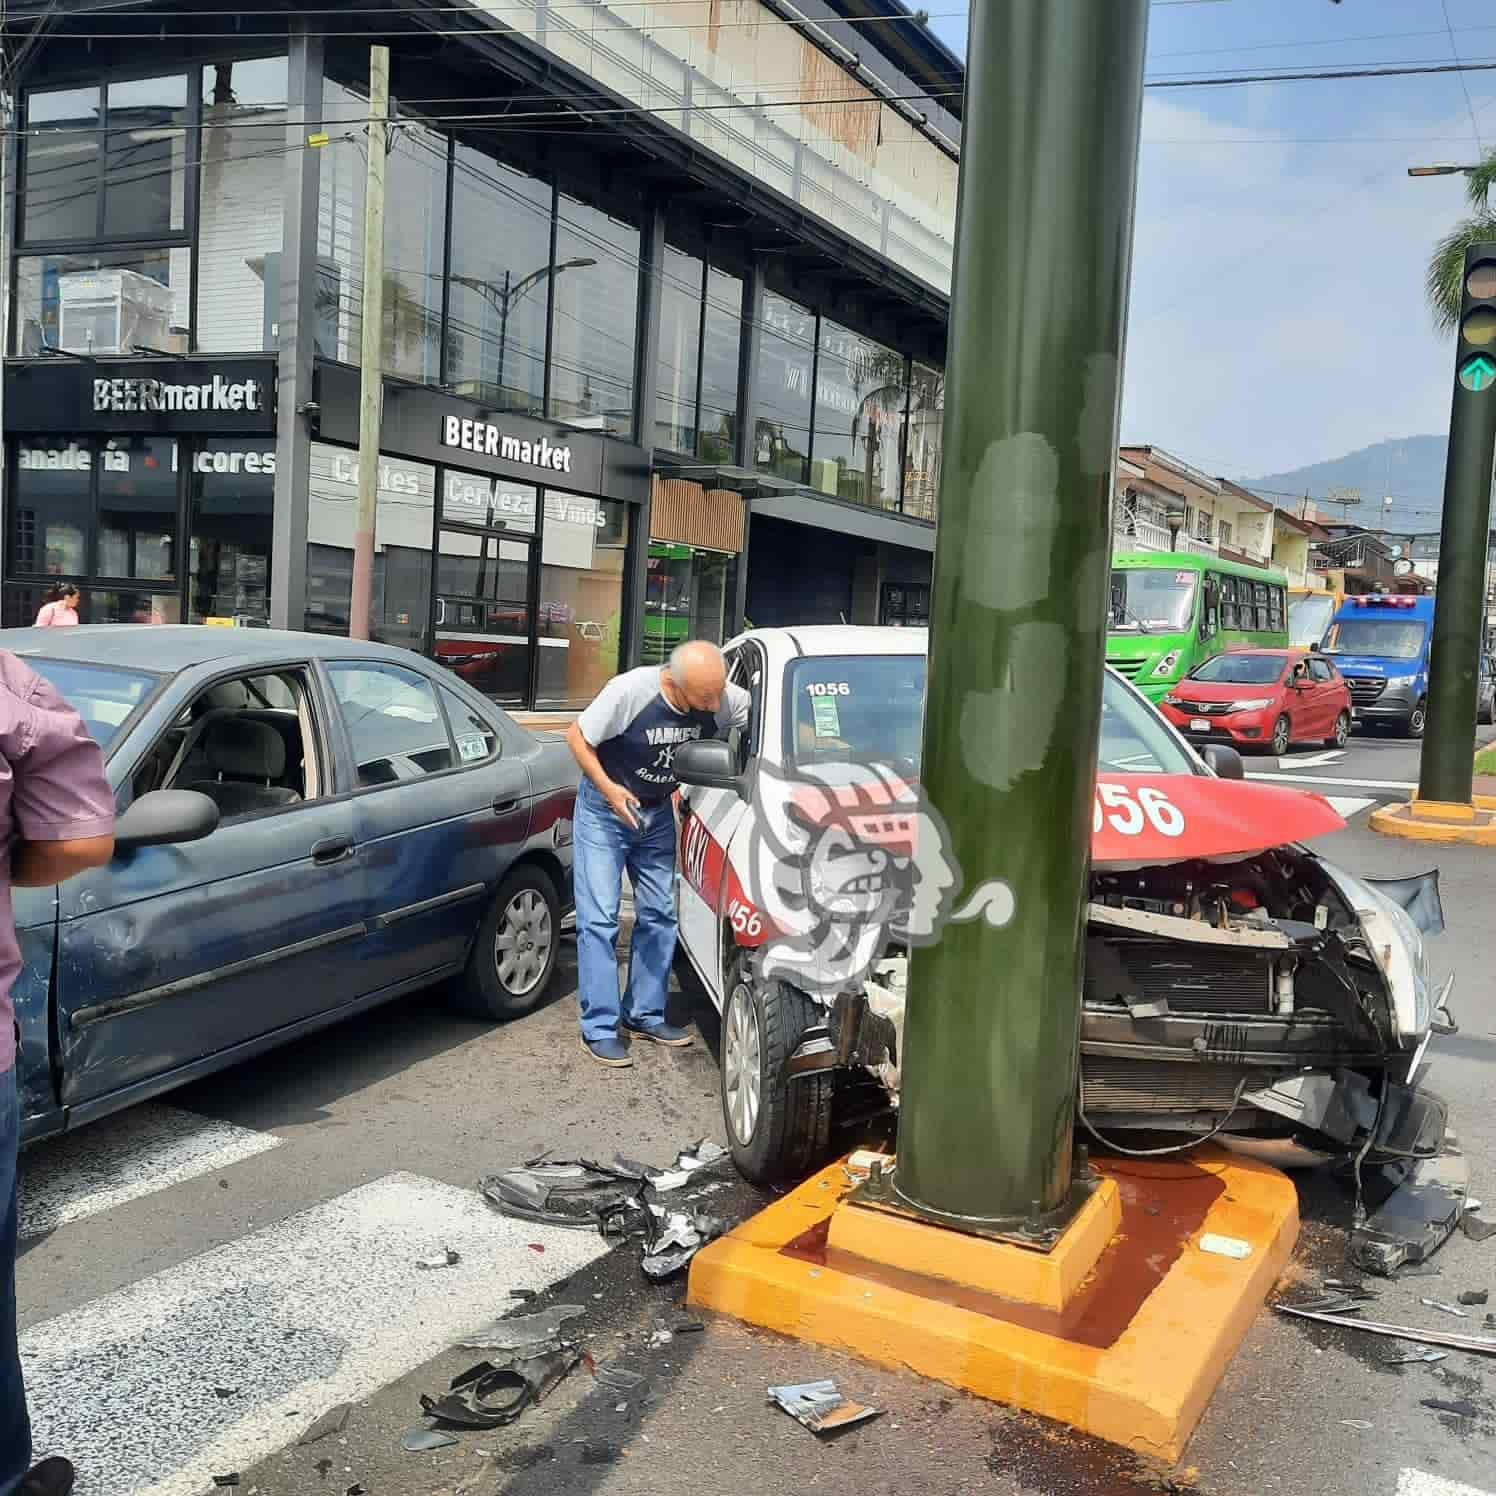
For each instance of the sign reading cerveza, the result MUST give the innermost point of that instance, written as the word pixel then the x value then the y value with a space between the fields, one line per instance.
pixel 479 436
pixel 215 394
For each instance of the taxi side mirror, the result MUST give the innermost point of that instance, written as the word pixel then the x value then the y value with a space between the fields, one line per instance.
pixel 709 764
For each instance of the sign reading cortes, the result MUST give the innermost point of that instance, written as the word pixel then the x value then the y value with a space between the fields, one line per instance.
pixel 217 393
pixel 490 441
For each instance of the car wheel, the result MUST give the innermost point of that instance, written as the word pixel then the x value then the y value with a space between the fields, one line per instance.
pixel 779 1130
pixel 1280 735
pixel 1342 734
pixel 1417 720
pixel 515 952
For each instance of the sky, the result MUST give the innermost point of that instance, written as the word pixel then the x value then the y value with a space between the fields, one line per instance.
pixel 1277 314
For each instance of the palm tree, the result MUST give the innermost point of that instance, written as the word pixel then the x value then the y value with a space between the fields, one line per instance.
pixel 1445 277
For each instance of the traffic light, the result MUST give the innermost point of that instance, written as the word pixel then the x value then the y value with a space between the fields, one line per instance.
pixel 1475 364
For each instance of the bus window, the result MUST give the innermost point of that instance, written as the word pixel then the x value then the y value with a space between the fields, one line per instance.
pixel 1146 600
pixel 1210 613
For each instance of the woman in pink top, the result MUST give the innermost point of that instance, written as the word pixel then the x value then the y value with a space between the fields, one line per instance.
pixel 61 610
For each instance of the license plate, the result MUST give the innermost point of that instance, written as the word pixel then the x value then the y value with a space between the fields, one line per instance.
pixel 1199 724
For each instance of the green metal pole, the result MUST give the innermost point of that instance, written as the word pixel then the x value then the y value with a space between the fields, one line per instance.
pixel 1054 92
pixel 1446 771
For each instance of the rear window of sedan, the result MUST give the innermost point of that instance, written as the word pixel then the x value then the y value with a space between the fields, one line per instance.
pixel 105 696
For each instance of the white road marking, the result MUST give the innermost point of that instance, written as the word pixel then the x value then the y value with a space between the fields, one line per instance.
pixel 1416 1483
pixel 1348 805
pixel 1313 760
pixel 138 1152
pixel 1359 784
pixel 323 1308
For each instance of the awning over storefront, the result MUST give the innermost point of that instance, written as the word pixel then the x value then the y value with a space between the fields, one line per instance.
pixel 690 514
pixel 848 519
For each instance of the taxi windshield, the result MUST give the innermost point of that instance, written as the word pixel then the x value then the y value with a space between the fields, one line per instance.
pixel 870 709
pixel 1146 601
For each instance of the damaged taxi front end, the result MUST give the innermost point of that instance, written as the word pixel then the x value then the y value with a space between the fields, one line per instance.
pixel 1265 999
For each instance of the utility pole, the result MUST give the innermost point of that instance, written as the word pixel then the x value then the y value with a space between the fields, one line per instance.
pixel 1054 95
pixel 1446 770
pixel 371 374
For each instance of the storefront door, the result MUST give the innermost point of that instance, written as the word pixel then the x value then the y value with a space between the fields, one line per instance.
pixel 485 613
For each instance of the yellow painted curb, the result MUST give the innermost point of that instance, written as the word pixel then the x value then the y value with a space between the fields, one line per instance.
pixel 1471 825
pixel 1135 1356
pixel 1049 1279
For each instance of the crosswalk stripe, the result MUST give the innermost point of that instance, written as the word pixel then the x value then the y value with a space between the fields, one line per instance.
pixel 325 1307
pixel 139 1152
pixel 1355 784
pixel 1347 805
pixel 1416 1483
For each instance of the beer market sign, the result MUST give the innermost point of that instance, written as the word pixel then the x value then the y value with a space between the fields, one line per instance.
pixel 490 441
pixel 215 394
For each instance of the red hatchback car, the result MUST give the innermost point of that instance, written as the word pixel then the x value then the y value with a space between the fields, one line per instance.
pixel 1262 698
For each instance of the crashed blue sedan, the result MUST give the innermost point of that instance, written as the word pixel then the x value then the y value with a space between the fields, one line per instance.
pixel 307 827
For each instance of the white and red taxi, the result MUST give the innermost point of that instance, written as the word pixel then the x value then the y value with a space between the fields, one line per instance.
pixel 1237 984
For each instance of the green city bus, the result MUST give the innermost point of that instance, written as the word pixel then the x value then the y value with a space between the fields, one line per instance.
pixel 1172 610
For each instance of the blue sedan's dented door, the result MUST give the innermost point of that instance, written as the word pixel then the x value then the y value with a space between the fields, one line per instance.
pixel 172 954
pixel 36 930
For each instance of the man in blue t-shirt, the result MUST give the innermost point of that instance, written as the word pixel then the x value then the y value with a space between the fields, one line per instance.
pixel 625 742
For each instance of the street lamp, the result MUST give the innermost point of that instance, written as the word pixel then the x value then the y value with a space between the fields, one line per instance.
pixel 1175 521
pixel 1440 169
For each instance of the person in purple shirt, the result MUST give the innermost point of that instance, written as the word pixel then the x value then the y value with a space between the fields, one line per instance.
pixel 56 820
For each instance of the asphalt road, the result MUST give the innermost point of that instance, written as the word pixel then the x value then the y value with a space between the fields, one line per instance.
pixel 202 1278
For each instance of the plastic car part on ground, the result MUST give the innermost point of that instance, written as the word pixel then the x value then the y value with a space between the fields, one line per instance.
pixel 525 1332
pixel 1420 1214
pixel 488 1396
pixel 820 1407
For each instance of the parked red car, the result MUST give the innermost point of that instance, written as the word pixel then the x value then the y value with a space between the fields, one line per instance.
pixel 1262 698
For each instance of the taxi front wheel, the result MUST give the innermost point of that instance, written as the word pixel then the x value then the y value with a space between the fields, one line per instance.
pixel 778 1130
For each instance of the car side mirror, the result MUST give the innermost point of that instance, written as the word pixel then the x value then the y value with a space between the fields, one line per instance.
pixel 1225 760
pixel 165 818
pixel 708 764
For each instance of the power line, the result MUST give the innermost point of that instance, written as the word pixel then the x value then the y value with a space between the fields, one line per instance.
pixel 1464 87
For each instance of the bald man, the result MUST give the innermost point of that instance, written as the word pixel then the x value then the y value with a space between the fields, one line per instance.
pixel 625 742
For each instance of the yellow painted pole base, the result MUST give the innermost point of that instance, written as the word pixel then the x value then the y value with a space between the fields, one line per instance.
pixel 1472 825
pixel 1133 1355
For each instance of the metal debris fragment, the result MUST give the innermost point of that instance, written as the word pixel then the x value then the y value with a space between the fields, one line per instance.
pixel 688 1162
pixel 820 1407
pixel 1358 1423
pixel 445 1258
pixel 231 1479
pixel 574 1192
pixel 1462 1408
pixel 523 1332
pixel 1413 1357
pixel 421 1439
pixel 1444 1308
pixel 619 1378
pixel 333 1421
pixel 1477 1345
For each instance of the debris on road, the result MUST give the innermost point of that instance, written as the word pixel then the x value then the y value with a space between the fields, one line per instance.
pixel 1444 1308
pixel 231 1479
pixel 1417 1218
pixel 676 1241
pixel 820 1407
pixel 1357 1423
pixel 571 1192
pixel 689 1161
pixel 1225 1246
pixel 1474 1296
pixel 524 1332
pixel 619 1378
pixel 488 1396
pixel 333 1421
pixel 421 1439
pixel 445 1258
pixel 1414 1358
pixel 1462 1408
pixel 1475 1226
pixel 1477 1345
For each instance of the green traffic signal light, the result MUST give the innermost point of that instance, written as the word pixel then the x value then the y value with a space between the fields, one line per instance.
pixel 1478 372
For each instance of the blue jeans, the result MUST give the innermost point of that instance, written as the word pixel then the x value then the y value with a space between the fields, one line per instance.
pixel 15 1427
pixel 604 848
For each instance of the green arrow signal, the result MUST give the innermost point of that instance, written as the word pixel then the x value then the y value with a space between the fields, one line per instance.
pixel 1478 372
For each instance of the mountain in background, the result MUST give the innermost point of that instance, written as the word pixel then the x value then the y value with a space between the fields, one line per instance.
pixel 1411 470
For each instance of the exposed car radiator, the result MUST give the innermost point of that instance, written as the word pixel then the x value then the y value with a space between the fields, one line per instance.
pixel 1126 1085
pixel 1199 978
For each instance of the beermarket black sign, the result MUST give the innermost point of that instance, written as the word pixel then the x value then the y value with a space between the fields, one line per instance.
pixel 159 396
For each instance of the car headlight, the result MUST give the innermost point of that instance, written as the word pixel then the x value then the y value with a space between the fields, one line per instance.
pixel 1166 665
pixel 1397 946
pixel 1251 706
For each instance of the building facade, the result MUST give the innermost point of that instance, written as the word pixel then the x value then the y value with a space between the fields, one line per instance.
pixel 665 302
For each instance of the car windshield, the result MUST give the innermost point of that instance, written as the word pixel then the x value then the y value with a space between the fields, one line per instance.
pixel 1240 670
pixel 1309 617
pixel 1393 639
pixel 870 708
pixel 103 695
pixel 1163 601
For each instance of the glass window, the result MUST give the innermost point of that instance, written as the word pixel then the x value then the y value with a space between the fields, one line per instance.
pixel 340 216
pixel 500 284
pixel 475 738
pixel 61 167
pixel 104 303
pixel 782 434
pixel 860 391
pixel 595 290
pixel 685 598
pixel 1146 601
pixel 137 508
pixel 721 337
pixel 414 234
pixel 484 612
pixel 583 545
pixel 51 510
pixel 680 348
pixel 24 600
pixel 105 698
pixel 241 179
pixel 922 441
pixel 494 503
pixel 231 489
pixel 1240 669
pixel 145 154
pixel 394 723
pixel 404 516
